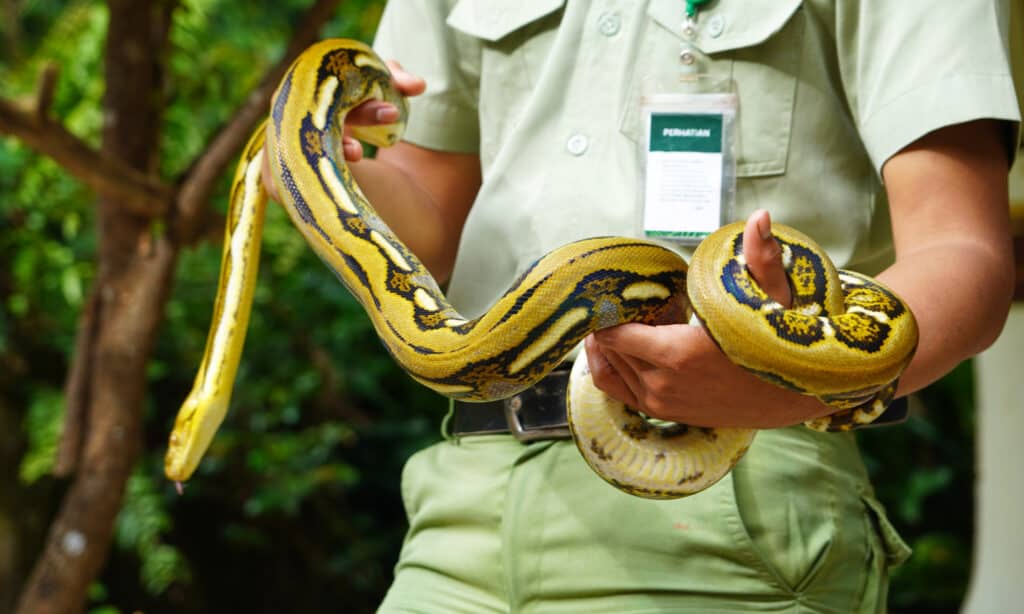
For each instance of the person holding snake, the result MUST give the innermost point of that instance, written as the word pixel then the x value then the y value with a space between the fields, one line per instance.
pixel 883 131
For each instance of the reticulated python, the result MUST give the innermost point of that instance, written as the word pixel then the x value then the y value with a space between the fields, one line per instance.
pixel 846 339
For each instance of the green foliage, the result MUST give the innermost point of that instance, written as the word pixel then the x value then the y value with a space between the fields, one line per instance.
pixel 300 488
pixel 143 521
pixel 43 425
pixel 46 219
pixel 320 424
pixel 220 51
pixel 924 473
pixel 74 43
pixel 98 593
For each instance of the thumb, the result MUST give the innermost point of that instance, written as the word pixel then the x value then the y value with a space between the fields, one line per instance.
pixel 764 257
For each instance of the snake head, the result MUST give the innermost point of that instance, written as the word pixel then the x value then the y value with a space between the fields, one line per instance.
pixel 381 88
pixel 194 428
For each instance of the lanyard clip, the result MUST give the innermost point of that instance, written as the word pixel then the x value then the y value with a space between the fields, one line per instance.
pixel 690 28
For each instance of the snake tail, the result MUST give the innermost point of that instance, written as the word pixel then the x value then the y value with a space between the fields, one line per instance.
pixel 203 411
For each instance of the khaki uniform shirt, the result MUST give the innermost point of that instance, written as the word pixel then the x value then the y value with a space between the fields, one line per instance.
pixel 546 91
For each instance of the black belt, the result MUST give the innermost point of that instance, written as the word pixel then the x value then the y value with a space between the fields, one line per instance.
pixel 535 413
pixel 539 413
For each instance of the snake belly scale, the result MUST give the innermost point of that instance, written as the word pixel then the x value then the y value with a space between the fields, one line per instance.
pixel 845 340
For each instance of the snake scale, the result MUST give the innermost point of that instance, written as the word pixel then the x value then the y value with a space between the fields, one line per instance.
pixel 845 339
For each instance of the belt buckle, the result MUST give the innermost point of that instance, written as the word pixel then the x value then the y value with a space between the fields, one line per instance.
pixel 525 435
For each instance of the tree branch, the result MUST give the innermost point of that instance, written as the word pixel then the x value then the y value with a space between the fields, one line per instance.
pixel 140 193
pixel 46 90
pixel 198 181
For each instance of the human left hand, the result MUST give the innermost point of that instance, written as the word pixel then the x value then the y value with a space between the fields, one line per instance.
pixel 676 372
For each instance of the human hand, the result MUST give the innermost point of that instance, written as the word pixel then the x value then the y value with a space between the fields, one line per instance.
pixel 378 111
pixel 369 113
pixel 677 372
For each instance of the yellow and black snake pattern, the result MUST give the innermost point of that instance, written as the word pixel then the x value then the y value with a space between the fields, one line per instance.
pixel 845 340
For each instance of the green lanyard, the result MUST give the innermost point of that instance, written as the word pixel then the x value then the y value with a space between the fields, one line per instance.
pixel 692 6
pixel 690 25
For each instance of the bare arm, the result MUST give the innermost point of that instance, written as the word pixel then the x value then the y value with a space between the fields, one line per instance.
pixel 954 267
pixel 954 252
pixel 424 196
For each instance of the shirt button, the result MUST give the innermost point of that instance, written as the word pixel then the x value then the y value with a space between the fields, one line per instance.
pixel 687 56
pixel 609 24
pixel 716 25
pixel 577 144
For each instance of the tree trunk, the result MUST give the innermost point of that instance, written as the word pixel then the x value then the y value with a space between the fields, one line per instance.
pixel 117 330
pixel 10 542
pixel 133 277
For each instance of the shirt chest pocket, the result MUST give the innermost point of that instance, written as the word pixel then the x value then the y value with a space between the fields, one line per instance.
pixel 758 45
pixel 515 37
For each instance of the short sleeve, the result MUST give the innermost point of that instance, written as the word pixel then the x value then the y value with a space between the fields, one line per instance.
pixel 909 68
pixel 415 33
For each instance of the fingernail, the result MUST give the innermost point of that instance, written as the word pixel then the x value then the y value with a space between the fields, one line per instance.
pixel 764 224
pixel 386 114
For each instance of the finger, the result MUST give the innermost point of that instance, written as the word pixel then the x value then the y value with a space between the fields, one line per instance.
pixel 605 376
pixel 647 346
pixel 379 112
pixel 764 257
pixel 630 375
pixel 353 149
pixel 406 82
pixel 372 112
pixel 644 381
pixel 630 368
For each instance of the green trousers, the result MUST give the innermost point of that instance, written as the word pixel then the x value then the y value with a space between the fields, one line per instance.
pixel 500 526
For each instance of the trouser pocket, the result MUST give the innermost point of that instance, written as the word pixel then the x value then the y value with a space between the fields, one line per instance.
pixel 787 533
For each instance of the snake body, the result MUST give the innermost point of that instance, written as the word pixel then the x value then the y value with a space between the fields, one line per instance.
pixel 847 347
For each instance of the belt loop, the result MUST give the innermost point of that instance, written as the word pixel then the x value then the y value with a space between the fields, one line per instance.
pixel 446 424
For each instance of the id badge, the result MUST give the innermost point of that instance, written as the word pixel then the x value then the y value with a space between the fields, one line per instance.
pixel 689 162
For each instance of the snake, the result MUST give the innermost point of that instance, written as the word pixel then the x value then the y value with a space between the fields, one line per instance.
pixel 845 338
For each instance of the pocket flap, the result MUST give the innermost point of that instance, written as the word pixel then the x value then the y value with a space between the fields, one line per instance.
pixel 727 25
pixel 896 550
pixel 492 20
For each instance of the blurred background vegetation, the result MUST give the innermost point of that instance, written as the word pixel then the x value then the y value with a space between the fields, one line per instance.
pixel 299 494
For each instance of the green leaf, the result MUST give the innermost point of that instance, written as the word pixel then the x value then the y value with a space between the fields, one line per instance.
pixel 141 526
pixel 43 426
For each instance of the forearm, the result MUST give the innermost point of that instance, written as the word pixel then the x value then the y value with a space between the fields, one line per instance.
pixel 411 212
pixel 954 267
pixel 424 196
pixel 954 254
pixel 960 293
